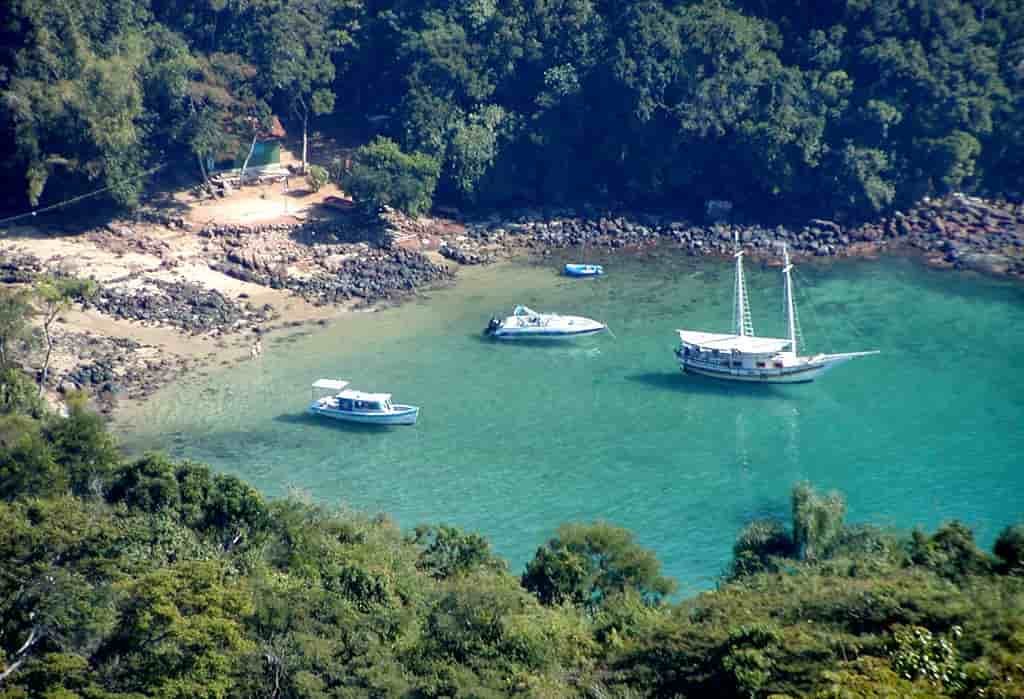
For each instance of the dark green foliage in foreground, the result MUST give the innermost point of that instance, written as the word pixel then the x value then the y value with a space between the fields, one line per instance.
pixel 817 521
pixel 760 543
pixel 587 563
pixel 1010 548
pixel 161 579
pixel 841 107
pixel 448 552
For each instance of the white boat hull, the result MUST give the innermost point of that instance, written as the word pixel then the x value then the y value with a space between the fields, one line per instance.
pixel 525 324
pixel 802 373
pixel 401 415
pixel 544 333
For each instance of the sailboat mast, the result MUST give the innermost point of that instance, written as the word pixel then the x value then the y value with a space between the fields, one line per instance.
pixel 741 310
pixel 790 311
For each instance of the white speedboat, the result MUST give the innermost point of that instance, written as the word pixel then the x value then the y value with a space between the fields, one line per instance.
pixel 743 356
pixel 341 403
pixel 525 323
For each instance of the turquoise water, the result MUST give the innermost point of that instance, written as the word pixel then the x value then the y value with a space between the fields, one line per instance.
pixel 515 439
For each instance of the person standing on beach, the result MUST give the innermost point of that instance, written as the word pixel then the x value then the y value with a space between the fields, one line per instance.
pixel 259 347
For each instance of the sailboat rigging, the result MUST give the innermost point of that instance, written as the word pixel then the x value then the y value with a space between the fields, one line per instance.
pixel 743 356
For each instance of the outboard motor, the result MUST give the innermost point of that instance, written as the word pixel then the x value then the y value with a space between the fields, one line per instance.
pixel 492 326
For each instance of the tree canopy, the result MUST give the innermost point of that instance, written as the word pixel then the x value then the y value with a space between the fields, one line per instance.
pixel 842 108
pixel 160 578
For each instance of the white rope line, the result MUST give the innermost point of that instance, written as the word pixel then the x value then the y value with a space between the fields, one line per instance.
pixel 855 331
pixel 72 200
pixel 805 302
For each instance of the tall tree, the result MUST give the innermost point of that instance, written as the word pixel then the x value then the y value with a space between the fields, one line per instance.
pixel 587 563
pixel 55 295
pixel 15 311
pixel 225 114
pixel 817 520
pixel 298 52
pixel 71 95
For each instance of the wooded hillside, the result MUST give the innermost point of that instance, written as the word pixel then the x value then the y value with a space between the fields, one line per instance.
pixel 830 108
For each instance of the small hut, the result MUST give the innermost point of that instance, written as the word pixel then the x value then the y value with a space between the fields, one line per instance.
pixel 266 151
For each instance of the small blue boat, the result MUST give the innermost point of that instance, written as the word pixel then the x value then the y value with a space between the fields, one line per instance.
pixel 580 270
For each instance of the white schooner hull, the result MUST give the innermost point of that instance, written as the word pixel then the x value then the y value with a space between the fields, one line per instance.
pixel 795 374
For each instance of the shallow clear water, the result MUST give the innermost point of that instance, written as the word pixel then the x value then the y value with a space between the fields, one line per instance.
pixel 515 439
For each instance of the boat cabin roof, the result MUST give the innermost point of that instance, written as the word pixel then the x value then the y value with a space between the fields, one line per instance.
pixel 359 395
pixel 524 311
pixel 745 344
pixel 330 384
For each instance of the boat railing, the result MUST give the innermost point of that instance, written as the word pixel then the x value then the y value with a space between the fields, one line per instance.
pixel 712 363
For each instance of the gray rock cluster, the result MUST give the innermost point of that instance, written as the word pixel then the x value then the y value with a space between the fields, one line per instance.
pixel 113 368
pixel 631 232
pixel 350 229
pixel 374 276
pixel 962 232
pixel 955 231
pixel 188 306
pixel 119 237
pixel 457 253
pixel 19 268
pixel 337 271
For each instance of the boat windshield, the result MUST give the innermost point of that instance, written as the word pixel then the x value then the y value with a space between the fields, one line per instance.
pixel 367 405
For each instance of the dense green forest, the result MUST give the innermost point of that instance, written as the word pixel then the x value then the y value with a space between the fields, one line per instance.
pixel 148 577
pixel 832 107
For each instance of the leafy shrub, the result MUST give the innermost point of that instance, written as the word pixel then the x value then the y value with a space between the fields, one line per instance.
pixel 586 563
pixel 918 653
pixel 950 552
pixel 758 543
pixel 317 177
pixel 382 175
pixel 1010 548
pixel 27 466
pixel 447 552
pixel 19 394
pixel 817 521
pixel 83 447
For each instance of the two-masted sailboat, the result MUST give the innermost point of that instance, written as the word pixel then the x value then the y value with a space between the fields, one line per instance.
pixel 743 356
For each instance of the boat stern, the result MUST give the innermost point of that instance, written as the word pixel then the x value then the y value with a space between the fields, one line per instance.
pixel 493 326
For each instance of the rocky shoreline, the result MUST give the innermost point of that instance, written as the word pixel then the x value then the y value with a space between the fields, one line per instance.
pixel 355 263
pixel 189 307
pixel 315 263
pixel 113 369
pixel 957 232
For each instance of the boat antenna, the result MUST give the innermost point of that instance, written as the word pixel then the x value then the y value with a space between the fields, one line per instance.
pixel 744 327
pixel 787 267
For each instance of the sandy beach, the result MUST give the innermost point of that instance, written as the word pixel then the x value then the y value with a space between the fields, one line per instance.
pixel 193 282
pixel 132 257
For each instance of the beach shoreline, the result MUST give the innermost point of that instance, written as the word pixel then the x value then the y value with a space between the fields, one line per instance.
pixel 180 293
